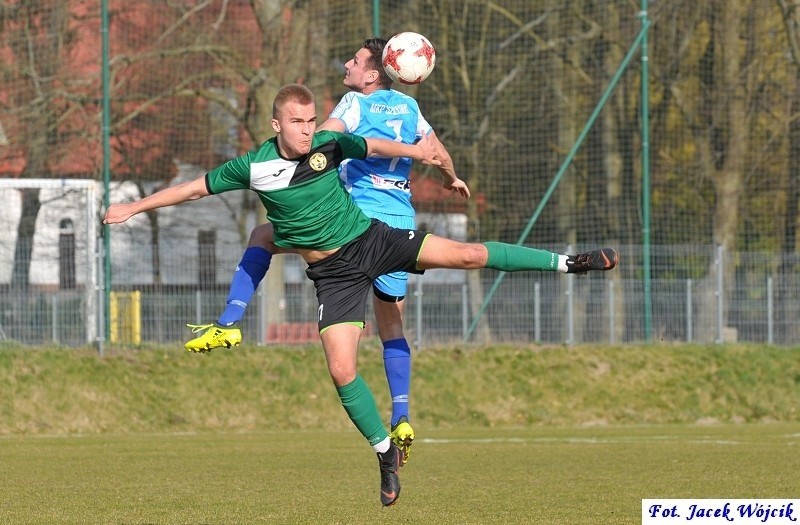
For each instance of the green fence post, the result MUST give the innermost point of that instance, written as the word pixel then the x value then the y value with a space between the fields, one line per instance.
pixel 648 307
pixel 376 18
pixel 106 176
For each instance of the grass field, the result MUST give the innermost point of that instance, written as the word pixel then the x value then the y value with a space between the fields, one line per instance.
pixel 553 435
pixel 545 475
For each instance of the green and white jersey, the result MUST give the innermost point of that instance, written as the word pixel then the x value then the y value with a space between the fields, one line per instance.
pixel 305 200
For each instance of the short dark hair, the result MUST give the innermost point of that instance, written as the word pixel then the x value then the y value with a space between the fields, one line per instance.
pixel 291 93
pixel 375 47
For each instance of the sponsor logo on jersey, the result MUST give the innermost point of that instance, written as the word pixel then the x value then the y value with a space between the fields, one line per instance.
pixel 400 109
pixel 318 162
pixel 379 183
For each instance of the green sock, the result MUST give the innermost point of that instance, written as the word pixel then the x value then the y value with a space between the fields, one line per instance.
pixel 359 404
pixel 513 258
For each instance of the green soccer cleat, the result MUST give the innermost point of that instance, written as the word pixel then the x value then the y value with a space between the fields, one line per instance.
pixel 214 336
pixel 403 436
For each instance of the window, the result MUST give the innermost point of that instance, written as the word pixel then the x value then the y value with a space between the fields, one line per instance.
pixel 66 255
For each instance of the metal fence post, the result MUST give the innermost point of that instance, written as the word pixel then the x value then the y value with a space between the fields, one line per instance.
pixel 689 313
pixel 101 310
pixel 570 301
pixel 261 333
pixel 418 304
pixel 464 311
pixel 570 309
pixel 198 307
pixel 537 312
pixel 770 318
pixel 54 316
pixel 720 285
pixel 612 314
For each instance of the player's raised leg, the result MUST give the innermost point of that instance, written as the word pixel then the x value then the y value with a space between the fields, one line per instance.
pixel 439 252
pixel 249 273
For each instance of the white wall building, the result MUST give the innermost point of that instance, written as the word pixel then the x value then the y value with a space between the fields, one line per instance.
pixel 218 223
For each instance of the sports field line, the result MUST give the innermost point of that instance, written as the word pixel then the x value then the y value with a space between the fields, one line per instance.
pixel 788 438
pixel 432 441
pixel 617 440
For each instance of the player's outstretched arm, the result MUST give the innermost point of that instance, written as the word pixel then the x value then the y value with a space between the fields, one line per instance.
pixel 446 168
pixel 177 194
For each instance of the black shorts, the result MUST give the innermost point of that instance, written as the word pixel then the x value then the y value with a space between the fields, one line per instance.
pixel 344 279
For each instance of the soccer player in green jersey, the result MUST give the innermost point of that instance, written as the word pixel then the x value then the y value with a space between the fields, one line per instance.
pixel 295 176
pixel 381 188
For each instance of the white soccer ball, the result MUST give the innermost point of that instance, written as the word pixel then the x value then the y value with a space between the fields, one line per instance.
pixel 408 58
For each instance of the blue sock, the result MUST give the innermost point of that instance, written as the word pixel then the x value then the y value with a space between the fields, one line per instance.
pixel 251 270
pixel 397 363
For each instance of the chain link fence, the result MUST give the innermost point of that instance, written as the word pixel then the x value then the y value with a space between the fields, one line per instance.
pixel 760 306
pixel 516 81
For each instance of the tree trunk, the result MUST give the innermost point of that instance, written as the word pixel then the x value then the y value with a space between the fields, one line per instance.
pixel 20 278
pixel 569 125
pixel 789 244
pixel 155 235
pixel 41 49
pixel 729 179
pixel 726 146
pixel 482 333
pixel 787 269
pixel 617 159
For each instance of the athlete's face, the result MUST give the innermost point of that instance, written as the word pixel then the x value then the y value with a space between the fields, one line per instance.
pixel 295 124
pixel 358 74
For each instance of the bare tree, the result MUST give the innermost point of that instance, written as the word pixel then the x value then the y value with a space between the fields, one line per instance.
pixel 210 59
pixel 43 104
pixel 722 136
pixel 790 13
pixel 497 96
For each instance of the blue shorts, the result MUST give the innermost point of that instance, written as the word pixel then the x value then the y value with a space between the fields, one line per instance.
pixel 393 284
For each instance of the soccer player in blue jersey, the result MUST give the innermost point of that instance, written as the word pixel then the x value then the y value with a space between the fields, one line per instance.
pixel 295 175
pixel 381 188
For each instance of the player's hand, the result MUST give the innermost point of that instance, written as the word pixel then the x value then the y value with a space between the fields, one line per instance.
pixel 118 213
pixel 428 152
pixel 457 185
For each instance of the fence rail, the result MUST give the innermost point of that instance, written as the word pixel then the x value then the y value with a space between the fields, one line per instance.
pixel 745 297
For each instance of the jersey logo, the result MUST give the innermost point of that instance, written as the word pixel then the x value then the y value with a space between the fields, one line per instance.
pixel 272 174
pixel 318 162
pixel 381 183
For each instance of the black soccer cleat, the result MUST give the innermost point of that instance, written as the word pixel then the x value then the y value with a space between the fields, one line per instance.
pixel 389 462
pixel 603 259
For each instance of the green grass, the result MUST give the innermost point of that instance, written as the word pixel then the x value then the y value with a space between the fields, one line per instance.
pixel 505 435
pixel 60 391
pixel 541 475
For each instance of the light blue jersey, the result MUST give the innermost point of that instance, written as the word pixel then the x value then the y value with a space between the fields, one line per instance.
pixel 381 185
